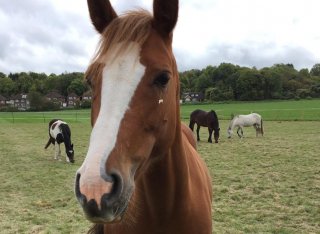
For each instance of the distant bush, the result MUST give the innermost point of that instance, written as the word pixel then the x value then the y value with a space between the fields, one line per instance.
pixel 85 104
pixel 8 109
pixel 51 106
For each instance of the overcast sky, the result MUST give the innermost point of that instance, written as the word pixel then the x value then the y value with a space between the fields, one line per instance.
pixel 56 36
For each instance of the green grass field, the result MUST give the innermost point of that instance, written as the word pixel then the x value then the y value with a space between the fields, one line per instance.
pixel 270 110
pixel 261 185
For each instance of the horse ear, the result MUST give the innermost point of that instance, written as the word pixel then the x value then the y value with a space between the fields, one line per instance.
pixel 101 13
pixel 165 13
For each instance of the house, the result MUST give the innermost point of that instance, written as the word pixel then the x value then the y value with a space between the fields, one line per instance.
pixel 20 101
pixel 192 97
pixel 87 96
pixel 2 101
pixel 56 98
pixel 73 100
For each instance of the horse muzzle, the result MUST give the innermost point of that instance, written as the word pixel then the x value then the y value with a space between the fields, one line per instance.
pixel 102 199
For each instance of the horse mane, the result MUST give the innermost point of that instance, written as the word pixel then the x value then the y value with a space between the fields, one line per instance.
pixel 214 114
pixel 96 229
pixel 132 26
pixel 233 117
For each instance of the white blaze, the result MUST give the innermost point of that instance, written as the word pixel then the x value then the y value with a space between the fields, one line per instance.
pixel 121 77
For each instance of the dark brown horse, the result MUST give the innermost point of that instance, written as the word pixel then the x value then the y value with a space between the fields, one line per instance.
pixel 141 174
pixel 205 119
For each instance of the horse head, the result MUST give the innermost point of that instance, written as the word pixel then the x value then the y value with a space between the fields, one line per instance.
pixel 70 154
pixel 134 112
pixel 216 134
pixel 229 132
pixel 216 127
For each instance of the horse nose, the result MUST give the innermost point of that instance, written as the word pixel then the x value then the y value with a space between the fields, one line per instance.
pixel 98 196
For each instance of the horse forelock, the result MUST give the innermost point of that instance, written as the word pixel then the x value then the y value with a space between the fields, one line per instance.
pixel 133 26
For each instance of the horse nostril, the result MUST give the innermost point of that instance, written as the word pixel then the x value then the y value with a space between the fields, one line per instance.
pixel 116 188
pixel 99 201
pixel 81 198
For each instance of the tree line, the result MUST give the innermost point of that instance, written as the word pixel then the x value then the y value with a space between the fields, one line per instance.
pixel 224 82
pixel 26 82
pixel 37 85
pixel 232 82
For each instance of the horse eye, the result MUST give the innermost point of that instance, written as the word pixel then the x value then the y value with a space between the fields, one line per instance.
pixel 161 80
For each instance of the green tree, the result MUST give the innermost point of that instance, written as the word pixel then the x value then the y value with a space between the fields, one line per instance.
pixel 7 87
pixel 290 78
pixel 272 83
pixel 250 85
pixel 51 83
pixel 203 82
pixel 77 86
pixel 64 81
pixel 225 78
pixel 37 101
pixel 304 73
pixel 2 75
pixel 24 83
pixel 188 80
pixel 315 70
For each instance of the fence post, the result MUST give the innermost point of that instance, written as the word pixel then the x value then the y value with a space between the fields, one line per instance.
pixel 76 116
pixel 12 117
pixel 44 118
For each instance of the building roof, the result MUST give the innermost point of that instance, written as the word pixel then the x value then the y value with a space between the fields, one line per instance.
pixel 2 98
pixel 73 95
pixel 87 94
pixel 19 96
pixel 54 95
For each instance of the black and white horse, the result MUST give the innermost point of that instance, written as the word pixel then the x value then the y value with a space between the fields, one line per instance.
pixel 59 132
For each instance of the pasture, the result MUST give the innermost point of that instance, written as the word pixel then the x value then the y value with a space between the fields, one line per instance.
pixel 261 185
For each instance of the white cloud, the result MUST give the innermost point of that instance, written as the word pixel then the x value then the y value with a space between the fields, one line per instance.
pixel 57 36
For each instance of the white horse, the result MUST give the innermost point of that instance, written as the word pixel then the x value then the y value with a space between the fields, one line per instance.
pixel 241 121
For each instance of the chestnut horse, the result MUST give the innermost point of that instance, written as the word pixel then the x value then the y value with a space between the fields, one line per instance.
pixel 142 173
pixel 205 119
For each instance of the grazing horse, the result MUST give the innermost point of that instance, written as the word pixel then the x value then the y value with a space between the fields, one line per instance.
pixel 141 174
pixel 240 121
pixel 205 119
pixel 59 132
